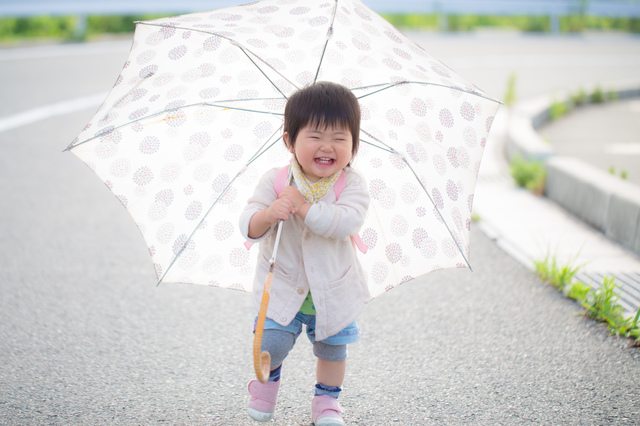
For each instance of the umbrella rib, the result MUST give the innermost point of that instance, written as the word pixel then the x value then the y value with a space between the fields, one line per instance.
pixel 168 111
pixel 236 43
pixel 326 42
pixel 279 114
pixel 379 141
pixel 264 148
pixel 393 151
pixel 261 151
pixel 388 86
pixel 480 95
pixel 438 210
pixel 265 75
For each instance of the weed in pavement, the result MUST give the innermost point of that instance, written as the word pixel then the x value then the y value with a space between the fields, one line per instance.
pixel 558 276
pixel 600 304
pixel 528 174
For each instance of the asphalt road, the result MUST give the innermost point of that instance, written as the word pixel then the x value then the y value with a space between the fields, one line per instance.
pixel 87 338
pixel 604 135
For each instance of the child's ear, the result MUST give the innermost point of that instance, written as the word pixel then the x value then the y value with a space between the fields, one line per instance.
pixel 286 138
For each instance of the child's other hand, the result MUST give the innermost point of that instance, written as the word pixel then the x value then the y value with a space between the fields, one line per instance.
pixel 294 196
pixel 278 210
pixel 300 206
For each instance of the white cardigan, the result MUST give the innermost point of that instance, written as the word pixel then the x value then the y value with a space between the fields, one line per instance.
pixel 315 254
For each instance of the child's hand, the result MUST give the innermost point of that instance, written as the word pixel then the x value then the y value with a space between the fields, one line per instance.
pixel 300 206
pixel 278 210
pixel 294 196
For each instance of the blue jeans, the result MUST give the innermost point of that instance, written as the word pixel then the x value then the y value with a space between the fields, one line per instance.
pixel 278 340
pixel 349 334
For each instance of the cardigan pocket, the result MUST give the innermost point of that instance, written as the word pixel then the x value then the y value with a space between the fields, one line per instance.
pixel 343 293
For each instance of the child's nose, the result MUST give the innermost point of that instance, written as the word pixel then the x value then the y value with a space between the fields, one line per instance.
pixel 326 146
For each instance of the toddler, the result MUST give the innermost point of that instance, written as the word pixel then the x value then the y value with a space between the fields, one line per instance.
pixel 318 282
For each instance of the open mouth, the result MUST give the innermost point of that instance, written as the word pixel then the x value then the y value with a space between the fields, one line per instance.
pixel 324 161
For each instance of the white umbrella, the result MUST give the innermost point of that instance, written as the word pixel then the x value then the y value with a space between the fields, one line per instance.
pixel 195 118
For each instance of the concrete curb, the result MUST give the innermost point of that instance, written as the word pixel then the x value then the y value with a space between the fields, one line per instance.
pixel 603 201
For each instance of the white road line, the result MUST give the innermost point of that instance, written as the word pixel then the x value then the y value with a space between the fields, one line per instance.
pixel 52 110
pixel 65 50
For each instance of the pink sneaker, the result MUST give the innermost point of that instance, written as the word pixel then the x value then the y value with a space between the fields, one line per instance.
pixel 263 400
pixel 325 411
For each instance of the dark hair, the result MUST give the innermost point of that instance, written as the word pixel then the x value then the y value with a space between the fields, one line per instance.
pixel 323 104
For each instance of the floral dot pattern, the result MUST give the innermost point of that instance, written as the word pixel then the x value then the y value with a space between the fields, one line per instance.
pixel 399 225
pixel 394 252
pixel 180 138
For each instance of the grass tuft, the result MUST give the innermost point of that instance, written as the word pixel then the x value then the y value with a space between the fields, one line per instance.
pixel 600 304
pixel 528 174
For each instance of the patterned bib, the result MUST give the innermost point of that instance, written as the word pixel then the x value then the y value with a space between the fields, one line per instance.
pixel 312 192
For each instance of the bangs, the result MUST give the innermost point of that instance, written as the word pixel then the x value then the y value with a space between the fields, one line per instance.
pixel 323 105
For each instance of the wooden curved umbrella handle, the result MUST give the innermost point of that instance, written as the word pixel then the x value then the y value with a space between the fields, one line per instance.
pixel 262 360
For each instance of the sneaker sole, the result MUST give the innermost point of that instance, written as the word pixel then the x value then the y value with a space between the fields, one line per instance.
pixel 259 416
pixel 329 421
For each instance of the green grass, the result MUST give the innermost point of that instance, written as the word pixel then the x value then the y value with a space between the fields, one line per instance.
pixel 600 304
pixel 510 96
pixel 63 27
pixel 528 174
pixel 559 109
pixel 560 276
pixel 579 98
pixel 598 96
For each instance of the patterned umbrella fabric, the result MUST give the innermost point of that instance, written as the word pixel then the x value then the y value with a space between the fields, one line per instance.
pixel 195 118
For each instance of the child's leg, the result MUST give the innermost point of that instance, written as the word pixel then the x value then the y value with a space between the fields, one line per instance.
pixel 264 396
pixel 278 343
pixel 330 371
pixel 331 366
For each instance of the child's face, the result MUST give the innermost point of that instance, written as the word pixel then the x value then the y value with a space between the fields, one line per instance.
pixel 321 152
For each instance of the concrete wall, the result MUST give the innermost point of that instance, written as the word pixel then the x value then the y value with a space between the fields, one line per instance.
pixel 601 200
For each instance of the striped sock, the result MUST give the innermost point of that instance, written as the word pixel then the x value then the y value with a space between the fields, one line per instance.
pixel 322 389
pixel 274 376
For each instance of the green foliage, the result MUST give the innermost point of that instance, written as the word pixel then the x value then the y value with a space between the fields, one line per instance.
pixel 110 24
pixel 573 24
pixel 558 109
pixel 553 273
pixel 37 27
pixel 623 173
pixel 579 98
pixel 510 96
pixel 418 21
pixel 601 305
pixel 578 291
pixel 63 27
pixel 528 174
pixel 597 96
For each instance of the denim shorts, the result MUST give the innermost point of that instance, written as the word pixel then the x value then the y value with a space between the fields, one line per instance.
pixel 349 334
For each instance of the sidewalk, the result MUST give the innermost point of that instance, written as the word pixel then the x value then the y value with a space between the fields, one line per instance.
pixel 529 227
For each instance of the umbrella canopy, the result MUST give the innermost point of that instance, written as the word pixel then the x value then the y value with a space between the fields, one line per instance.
pixel 195 118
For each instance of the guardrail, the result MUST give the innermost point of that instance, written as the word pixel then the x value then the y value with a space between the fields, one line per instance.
pixel 552 8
